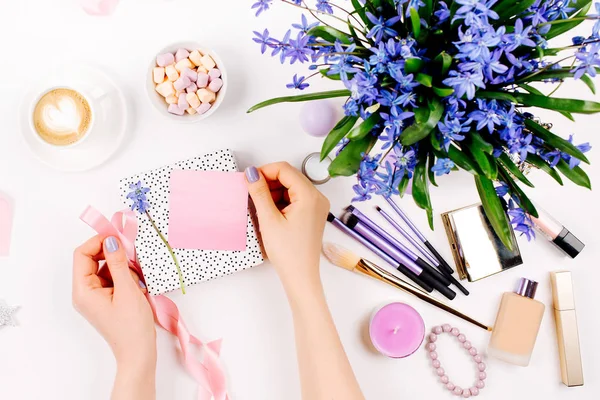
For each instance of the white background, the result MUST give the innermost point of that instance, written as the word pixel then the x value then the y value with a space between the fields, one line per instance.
pixel 55 354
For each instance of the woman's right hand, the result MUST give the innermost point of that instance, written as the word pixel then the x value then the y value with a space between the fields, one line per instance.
pixel 292 214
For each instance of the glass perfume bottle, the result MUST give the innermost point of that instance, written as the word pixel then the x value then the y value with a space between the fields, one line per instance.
pixel 517 325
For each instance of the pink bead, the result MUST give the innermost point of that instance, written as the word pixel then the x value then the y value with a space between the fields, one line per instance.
pixel 165 59
pixel 437 330
pixel 466 393
pixel 467 345
pixel 181 54
pixel 446 328
pixel 444 379
pixel 457 390
pixel 182 83
pixel 440 371
pixel 481 367
pixel 478 358
pixel 433 355
pixel 455 332
pixel 436 363
pixel 431 346
pixel 432 337
pixel 192 88
pixel 202 81
pixel 214 73
pixel 175 109
pixel 450 386
pixel 461 338
pixel 480 384
pixel 482 375
pixel 215 85
pixel 474 391
pixel 203 108
pixel 473 351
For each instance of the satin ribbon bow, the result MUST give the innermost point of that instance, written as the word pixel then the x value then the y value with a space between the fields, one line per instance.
pixel 209 372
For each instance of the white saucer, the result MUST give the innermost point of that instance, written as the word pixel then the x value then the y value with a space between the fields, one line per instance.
pixel 110 120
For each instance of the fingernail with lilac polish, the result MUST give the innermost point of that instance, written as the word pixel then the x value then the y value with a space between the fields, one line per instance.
pixel 142 284
pixel 111 244
pixel 252 174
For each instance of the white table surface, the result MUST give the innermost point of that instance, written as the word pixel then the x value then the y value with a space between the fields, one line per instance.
pixel 55 354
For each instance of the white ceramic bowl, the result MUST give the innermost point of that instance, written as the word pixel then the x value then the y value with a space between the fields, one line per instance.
pixel 159 102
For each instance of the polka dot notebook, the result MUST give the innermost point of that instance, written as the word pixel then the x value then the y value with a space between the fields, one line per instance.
pixel 196 265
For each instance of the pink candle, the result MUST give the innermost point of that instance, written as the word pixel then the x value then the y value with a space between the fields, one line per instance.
pixel 397 330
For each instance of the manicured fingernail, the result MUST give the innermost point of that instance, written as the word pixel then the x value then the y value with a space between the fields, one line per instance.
pixel 142 284
pixel 252 174
pixel 111 244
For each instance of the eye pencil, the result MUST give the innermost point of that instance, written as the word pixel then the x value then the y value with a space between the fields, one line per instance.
pixel 354 223
pixel 394 242
pixel 343 258
pixel 407 272
pixel 420 236
pixel 436 263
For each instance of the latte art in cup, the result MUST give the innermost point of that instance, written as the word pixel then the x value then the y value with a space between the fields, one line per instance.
pixel 62 117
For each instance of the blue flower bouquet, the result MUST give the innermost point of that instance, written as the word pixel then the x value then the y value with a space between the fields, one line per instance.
pixel 432 86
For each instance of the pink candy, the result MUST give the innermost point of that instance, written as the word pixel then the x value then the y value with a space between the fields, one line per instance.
pixel 190 74
pixel 165 59
pixel 202 80
pixel 181 54
pixel 214 73
pixel 204 107
pixel 216 85
pixel 182 83
pixel 175 109
pixel 192 88
pixel 183 103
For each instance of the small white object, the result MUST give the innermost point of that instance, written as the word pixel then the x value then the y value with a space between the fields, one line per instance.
pixel 185 63
pixel 191 111
pixel 172 73
pixel 172 99
pixel 159 75
pixel 181 54
pixel 182 83
pixel 183 103
pixel 193 100
pixel 192 88
pixel 208 62
pixel 315 170
pixel 175 109
pixel 6 314
pixel 196 58
pixel 206 96
pixel 165 89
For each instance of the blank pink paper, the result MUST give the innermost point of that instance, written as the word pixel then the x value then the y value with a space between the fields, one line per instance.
pixel 208 210
pixel 5 226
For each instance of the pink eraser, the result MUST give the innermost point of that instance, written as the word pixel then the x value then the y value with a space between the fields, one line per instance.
pixel 6 217
pixel 204 107
pixel 192 88
pixel 202 81
pixel 181 54
pixel 165 59
pixel 216 85
pixel 182 83
pixel 183 103
pixel 214 73
pixel 175 109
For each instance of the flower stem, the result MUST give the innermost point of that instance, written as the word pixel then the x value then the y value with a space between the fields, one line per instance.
pixel 166 242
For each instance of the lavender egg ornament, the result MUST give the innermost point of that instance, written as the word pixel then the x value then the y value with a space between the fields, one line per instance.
pixel 318 118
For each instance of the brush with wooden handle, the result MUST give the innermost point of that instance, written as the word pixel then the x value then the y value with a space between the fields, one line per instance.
pixel 346 259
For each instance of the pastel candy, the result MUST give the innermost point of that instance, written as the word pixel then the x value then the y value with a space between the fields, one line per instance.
pixel 214 73
pixel 158 74
pixel 202 69
pixel 203 108
pixel 174 109
pixel 196 58
pixel 172 73
pixel 216 85
pixel 182 83
pixel 191 111
pixel 190 73
pixel 183 103
pixel 172 99
pixel 208 62
pixel 181 54
pixel 202 80
pixel 193 100
pixel 192 88
pixel 165 59
pixel 206 96
pixel 165 89
pixel 185 63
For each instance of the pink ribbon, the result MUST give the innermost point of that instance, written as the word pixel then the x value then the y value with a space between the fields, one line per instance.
pixel 209 372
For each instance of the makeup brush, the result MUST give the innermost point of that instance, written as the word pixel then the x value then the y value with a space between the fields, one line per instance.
pixel 344 258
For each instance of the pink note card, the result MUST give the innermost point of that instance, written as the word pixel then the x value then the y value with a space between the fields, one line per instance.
pixel 5 226
pixel 208 210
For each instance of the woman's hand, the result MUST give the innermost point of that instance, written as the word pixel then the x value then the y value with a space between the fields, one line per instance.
pixel 113 301
pixel 292 214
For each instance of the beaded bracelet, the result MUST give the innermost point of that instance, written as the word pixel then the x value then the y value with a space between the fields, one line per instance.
pixel 431 347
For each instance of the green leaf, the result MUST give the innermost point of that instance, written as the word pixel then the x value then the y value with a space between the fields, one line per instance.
pixel 481 143
pixel 539 163
pixel 420 189
pixel 494 211
pixel 403 185
pixel 348 161
pixel 329 34
pixel 362 130
pixel 430 164
pixel 442 92
pixel 559 29
pixel 481 158
pixel 353 33
pixel 524 201
pixel 337 133
pixel 333 77
pixel 510 8
pixel 555 141
pixel 426 11
pixel 463 160
pixel 418 131
pixel 446 60
pixel 424 79
pixel 435 141
pixel 415 21
pixel 562 73
pixel 301 97
pixel 505 160
pixel 576 175
pixel 533 90
pixel 360 10
pixel 485 94
pixel 557 104
pixel 413 65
